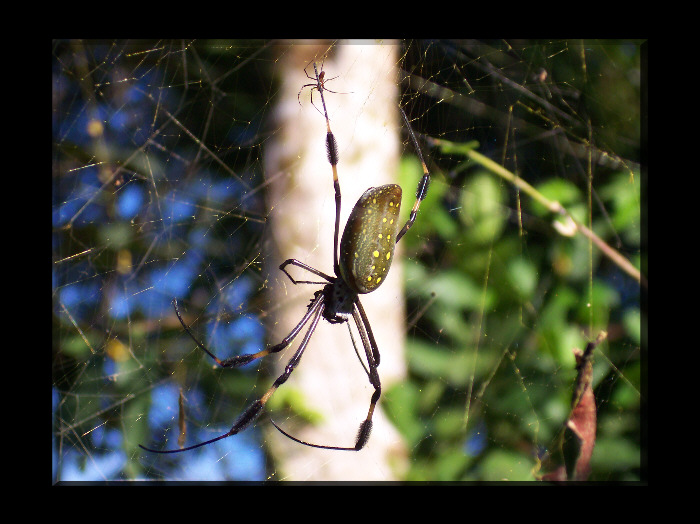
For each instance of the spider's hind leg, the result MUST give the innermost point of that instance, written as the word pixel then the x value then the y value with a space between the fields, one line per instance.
pixel 372 355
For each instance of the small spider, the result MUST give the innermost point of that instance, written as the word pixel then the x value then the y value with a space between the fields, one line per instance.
pixel 360 264
pixel 319 84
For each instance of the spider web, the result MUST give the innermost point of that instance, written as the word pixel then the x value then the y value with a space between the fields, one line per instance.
pixel 163 187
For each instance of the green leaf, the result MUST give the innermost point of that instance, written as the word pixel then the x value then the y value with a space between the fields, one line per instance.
pixel 558 190
pixel 483 208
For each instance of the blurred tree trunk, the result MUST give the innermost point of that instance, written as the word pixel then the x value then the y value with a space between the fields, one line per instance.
pixel 364 118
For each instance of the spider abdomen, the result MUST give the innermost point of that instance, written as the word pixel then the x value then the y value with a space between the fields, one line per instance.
pixel 369 238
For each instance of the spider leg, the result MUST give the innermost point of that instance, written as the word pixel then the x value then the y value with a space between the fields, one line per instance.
pixel 307 73
pixel 253 411
pixel 371 350
pixel 328 80
pixel 312 97
pixel 312 86
pixel 240 360
pixel 422 188
pixel 332 152
pixel 372 353
pixel 365 321
pixel 357 352
pixel 295 262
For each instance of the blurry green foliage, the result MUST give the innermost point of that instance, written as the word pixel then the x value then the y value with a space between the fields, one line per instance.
pixel 507 297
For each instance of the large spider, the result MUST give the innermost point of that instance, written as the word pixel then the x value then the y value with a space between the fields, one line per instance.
pixel 360 266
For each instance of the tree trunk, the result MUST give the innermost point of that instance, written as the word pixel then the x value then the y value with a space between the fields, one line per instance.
pixel 365 121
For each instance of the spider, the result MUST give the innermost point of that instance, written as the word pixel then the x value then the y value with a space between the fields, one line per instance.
pixel 319 84
pixel 360 265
